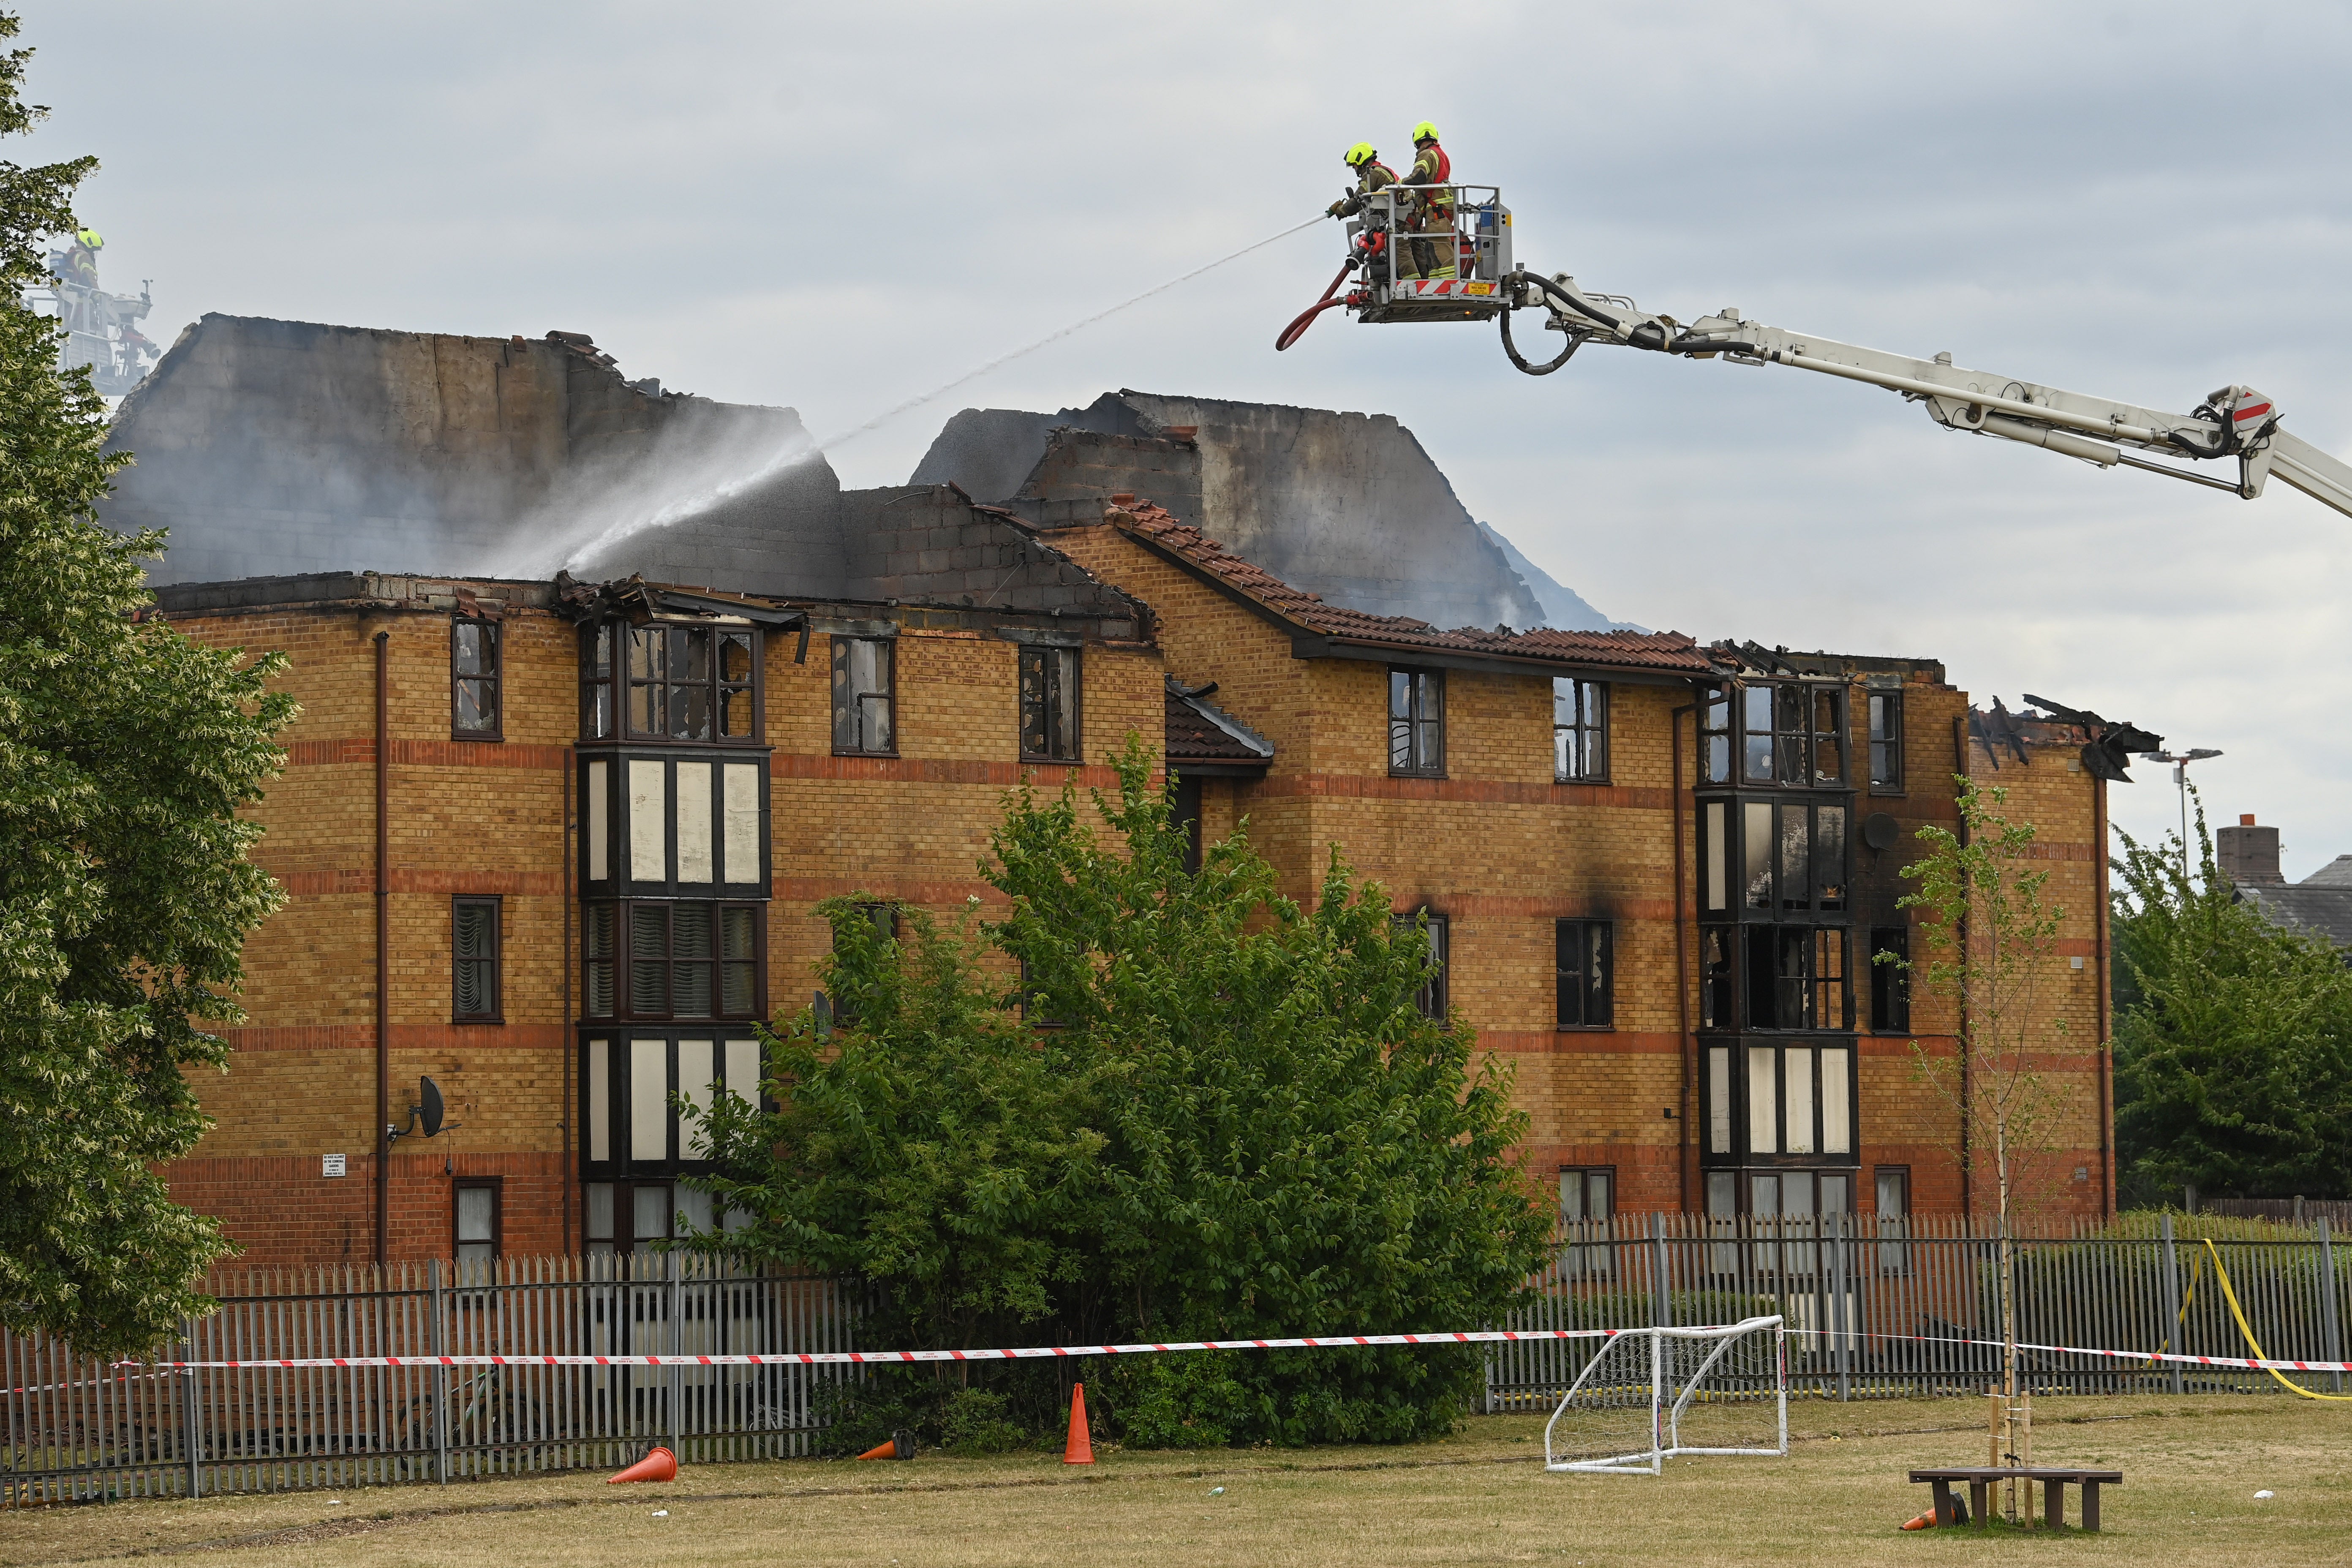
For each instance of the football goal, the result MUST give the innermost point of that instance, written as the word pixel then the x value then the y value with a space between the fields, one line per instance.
pixel 1650 1394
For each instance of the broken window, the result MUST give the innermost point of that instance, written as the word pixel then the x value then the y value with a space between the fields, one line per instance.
pixel 1583 974
pixel 1049 704
pixel 1791 734
pixel 1579 731
pixel 1431 999
pixel 474 944
pixel 1417 722
pixel 1886 740
pixel 1797 978
pixel 1714 979
pixel 691 683
pixel 1714 736
pixel 597 714
pixel 1890 979
pixel 684 959
pixel 474 679
pixel 1792 856
pixel 864 687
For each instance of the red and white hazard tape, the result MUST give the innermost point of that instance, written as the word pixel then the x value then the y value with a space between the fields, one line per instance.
pixel 1048 1352
pixel 876 1358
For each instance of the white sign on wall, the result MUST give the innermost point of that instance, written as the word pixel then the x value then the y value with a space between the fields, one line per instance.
pixel 330 1165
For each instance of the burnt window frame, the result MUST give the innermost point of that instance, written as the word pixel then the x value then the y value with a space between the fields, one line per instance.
pixel 1823 1000
pixel 490 642
pixel 1890 983
pixel 495 1188
pixel 1883 743
pixel 492 963
pixel 612 924
pixel 1434 999
pixel 1718 734
pixel 1828 872
pixel 1793 738
pixel 1423 695
pixel 1040 659
pixel 1585 733
pixel 609 682
pixel 1594 977
pixel 853 716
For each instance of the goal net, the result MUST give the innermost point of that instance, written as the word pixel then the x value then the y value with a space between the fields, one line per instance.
pixel 1650 1394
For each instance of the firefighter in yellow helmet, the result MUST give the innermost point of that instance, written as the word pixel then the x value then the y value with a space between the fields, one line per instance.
pixel 1370 174
pixel 79 266
pixel 1433 257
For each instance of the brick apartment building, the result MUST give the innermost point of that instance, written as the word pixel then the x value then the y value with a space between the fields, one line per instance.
pixel 556 846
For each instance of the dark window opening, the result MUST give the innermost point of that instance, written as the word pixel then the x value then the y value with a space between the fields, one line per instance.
pixel 1890 979
pixel 1797 978
pixel 1714 736
pixel 1431 999
pixel 1585 973
pixel 475 952
pixel 1049 704
pixel 685 960
pixel 475 1209
pixel 1579 731
pixel 865 690
pixel 1714 979
pixel 1885 740
pixel 596 715
pixel 1417 722
pixel 1186 812
pixel 474 709
pixel 685 683
pixel 1793 857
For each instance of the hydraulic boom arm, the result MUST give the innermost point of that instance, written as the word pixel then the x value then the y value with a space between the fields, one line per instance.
pixel 2234 421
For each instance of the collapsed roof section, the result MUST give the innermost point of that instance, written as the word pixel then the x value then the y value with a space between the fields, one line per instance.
pixel 1349 506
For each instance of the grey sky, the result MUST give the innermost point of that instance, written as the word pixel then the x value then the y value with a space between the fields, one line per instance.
pixel 836 208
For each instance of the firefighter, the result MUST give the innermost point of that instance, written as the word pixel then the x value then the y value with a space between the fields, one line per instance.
pixel 79 266
pixel 1434 213
pixel 1370 174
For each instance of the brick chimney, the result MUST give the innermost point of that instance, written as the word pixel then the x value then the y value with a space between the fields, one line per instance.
pixel 2248 853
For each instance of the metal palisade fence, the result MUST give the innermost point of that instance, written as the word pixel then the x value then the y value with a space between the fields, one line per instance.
pixel 78 1430
pixel 1900 1306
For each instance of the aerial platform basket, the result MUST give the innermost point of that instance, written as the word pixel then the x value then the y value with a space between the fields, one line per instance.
pixel 1388 235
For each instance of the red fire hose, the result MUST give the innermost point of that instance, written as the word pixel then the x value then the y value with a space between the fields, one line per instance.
pixel 1306 319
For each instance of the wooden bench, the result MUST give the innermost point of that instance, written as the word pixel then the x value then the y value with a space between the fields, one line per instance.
pixel 2054 1489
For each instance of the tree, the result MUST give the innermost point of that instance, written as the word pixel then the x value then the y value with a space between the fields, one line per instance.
pixel 125 896
pixel 1220 1116
pixel 1991 939
pixel 2234 1037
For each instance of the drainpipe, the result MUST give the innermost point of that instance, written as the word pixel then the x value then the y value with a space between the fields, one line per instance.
pixel 383 948
pixel 2105 1046
pixel 1688 1051
pixel 1962 757
pixel 570 1172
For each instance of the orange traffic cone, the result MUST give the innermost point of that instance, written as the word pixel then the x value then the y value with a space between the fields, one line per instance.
pixel 660 1465
pixel 899 1446
pixel 1080 1448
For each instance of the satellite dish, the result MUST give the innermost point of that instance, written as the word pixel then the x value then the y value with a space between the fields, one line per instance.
pixel 429 1108
pixel 1880 831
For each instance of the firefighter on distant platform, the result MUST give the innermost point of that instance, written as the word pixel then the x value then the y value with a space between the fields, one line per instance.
pixel 1433 257
pixel 77 264
pixel 1370 174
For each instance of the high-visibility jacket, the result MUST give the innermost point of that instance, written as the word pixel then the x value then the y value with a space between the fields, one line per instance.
pixel 1374 175
pixel 1433 167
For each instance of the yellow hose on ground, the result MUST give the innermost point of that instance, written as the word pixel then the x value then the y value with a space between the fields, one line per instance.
pixel 2231 1296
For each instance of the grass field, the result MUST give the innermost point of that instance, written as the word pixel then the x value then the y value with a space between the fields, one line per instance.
pixel 2191 1468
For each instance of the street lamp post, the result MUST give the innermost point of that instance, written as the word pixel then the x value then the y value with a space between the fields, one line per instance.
pixel 2180 760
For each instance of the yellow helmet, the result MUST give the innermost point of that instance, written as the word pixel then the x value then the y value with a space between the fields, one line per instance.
pixel 90 237
pixel 1424 131
pixel 1361 154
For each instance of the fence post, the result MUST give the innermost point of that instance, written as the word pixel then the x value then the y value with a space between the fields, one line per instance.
pixel 440 1386
pixel 1662 1307
pixel 1840 1304
pixel 676 1346
pixel 2328 1324
pixel 195 1436
pixel 2175 1330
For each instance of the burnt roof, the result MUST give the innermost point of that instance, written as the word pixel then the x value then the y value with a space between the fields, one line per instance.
pixel 1665 652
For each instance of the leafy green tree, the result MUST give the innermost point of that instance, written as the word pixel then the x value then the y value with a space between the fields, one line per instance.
pixel 125 896
pixel 1218 1114
pixel 2234 1037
